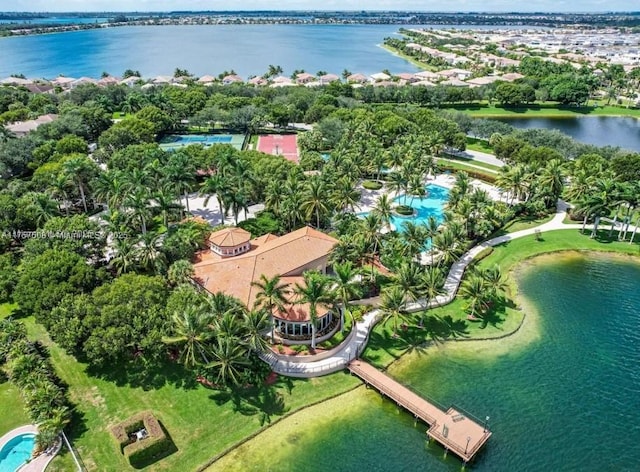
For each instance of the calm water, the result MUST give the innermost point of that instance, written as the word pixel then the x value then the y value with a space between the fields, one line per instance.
pixel 563 394
pixel 598 130
pixel 158 50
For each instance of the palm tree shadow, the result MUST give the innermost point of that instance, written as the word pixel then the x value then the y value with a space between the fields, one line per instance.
pixel 264 402
pixel 496 315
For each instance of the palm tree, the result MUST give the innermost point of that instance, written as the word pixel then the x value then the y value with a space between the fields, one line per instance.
pixel 314 199
pixel 149 254
pixel 228 358
pixel 81 170
pixel 414 237
pixel 552 180
pixel 369 234
pixel 42 207
pixel 448 245
pixel 431 230
pixel 345 287
pixel 344 195
pixel 271 296
pixel 191 329
pixel 408 278
pixel 273 71
pixel 392 306
pixel 111 188
pixel 180 174
pixel 476 290
pixel 432 284
pixel 383 209
pixel 217 185
pixel 165 201
pixel 314 291
pixel 124 259
pixel 255 322
pixel 138 204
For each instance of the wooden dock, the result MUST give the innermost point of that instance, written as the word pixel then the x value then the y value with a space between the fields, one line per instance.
pixel 454 430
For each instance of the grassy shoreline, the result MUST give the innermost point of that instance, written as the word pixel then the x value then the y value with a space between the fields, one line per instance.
pixel 101 401
pixel 398 53
pixel 546 110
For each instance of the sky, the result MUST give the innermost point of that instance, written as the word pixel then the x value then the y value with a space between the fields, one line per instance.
pixel 418 5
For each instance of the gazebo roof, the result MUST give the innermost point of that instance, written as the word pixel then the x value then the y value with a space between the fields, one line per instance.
pixel 230 237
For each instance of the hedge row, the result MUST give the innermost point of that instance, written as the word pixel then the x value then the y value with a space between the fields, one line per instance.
pixel 143 452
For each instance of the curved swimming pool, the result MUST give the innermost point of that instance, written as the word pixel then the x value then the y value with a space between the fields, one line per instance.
pixel 16 452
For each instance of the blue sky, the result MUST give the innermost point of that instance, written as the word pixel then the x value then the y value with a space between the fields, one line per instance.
pixel 422 5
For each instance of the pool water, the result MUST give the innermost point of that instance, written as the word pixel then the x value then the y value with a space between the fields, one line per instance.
pixel 430 205
pixel 16 452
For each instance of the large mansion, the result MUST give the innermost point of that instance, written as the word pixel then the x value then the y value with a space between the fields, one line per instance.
pixel 234 261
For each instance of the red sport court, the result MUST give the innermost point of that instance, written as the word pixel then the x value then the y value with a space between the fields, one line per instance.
pixel 285 145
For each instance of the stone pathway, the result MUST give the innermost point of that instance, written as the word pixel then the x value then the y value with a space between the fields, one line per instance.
pixel 355 345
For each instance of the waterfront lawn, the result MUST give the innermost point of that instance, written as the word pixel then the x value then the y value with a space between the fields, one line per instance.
pixel 477 144
pixel 507 255
pixel 202 422
pixel 547 109
pixel 446 323
pixel 472 162
pixel 521 223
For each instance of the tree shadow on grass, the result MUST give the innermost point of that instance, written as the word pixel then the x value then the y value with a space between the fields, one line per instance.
pixel 146 375
pixel 264 402
pixel 170 448
pixel 497 313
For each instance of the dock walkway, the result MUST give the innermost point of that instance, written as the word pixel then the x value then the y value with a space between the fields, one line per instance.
pixel 453 429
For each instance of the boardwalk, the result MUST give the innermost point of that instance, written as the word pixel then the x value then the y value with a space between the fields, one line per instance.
pixel 453 429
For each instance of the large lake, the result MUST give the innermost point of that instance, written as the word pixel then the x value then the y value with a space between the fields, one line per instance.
pixel 599 130
pixel 158 50
pixel 563 394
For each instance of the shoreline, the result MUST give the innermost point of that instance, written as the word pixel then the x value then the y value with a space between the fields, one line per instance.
pixel 523 305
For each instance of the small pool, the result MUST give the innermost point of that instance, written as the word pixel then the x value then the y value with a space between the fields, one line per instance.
pixel 16 452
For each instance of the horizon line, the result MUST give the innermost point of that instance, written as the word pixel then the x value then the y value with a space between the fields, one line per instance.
pixel 470 12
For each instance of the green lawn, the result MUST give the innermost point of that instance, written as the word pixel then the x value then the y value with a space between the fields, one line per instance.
pixel 118 115
pixel 481 145
pixel 544 110
pixel 383 348
pixel 473 162
pixel 408 58
pixel 202 422
pixel 483 174
pixel 521 223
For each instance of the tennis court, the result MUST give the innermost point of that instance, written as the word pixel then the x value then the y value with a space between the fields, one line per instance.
pixel 285 145
pixel 176 141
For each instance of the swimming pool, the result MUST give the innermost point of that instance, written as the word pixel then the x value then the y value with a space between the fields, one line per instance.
pixel 176 141
pixel 16 452
pixel 431 204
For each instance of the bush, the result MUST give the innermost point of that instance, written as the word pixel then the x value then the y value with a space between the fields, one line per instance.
pixel 144 452
pixel 404 210
pixel 372 184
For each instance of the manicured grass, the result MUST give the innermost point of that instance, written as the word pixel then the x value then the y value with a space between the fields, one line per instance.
pixel 476 144
pixel 450 321
pixel 521 223
pixel 545 110
pixel 509 254
pixel 118 115
pixel 202 422
pixel 13 413
pixel 482 174
pixel 472 162
pixel 408 58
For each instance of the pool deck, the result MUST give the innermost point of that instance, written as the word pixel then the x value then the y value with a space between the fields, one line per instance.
pixel 40 463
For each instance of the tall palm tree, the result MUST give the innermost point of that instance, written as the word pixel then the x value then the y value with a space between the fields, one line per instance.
pixel 408 278
pixel 81 170
pixel 124 260
pixel 272 296
pixel 383 209
pixel 165 202
pixel 228 359
pixel 369 234
pixel 314 291
pixel 552 180
pixel 314 199
pixel 181 174
pixel 191 332
pixel 111 187
pixel 414 237
pixel 344 195
pixel 345 287
pixel 138 204
pixel 431 230
pixel 432 284
pixel 477 292
pixel 218 185
pixel 392 306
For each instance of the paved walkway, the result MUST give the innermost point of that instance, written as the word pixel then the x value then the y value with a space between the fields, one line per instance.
pixel 355 345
